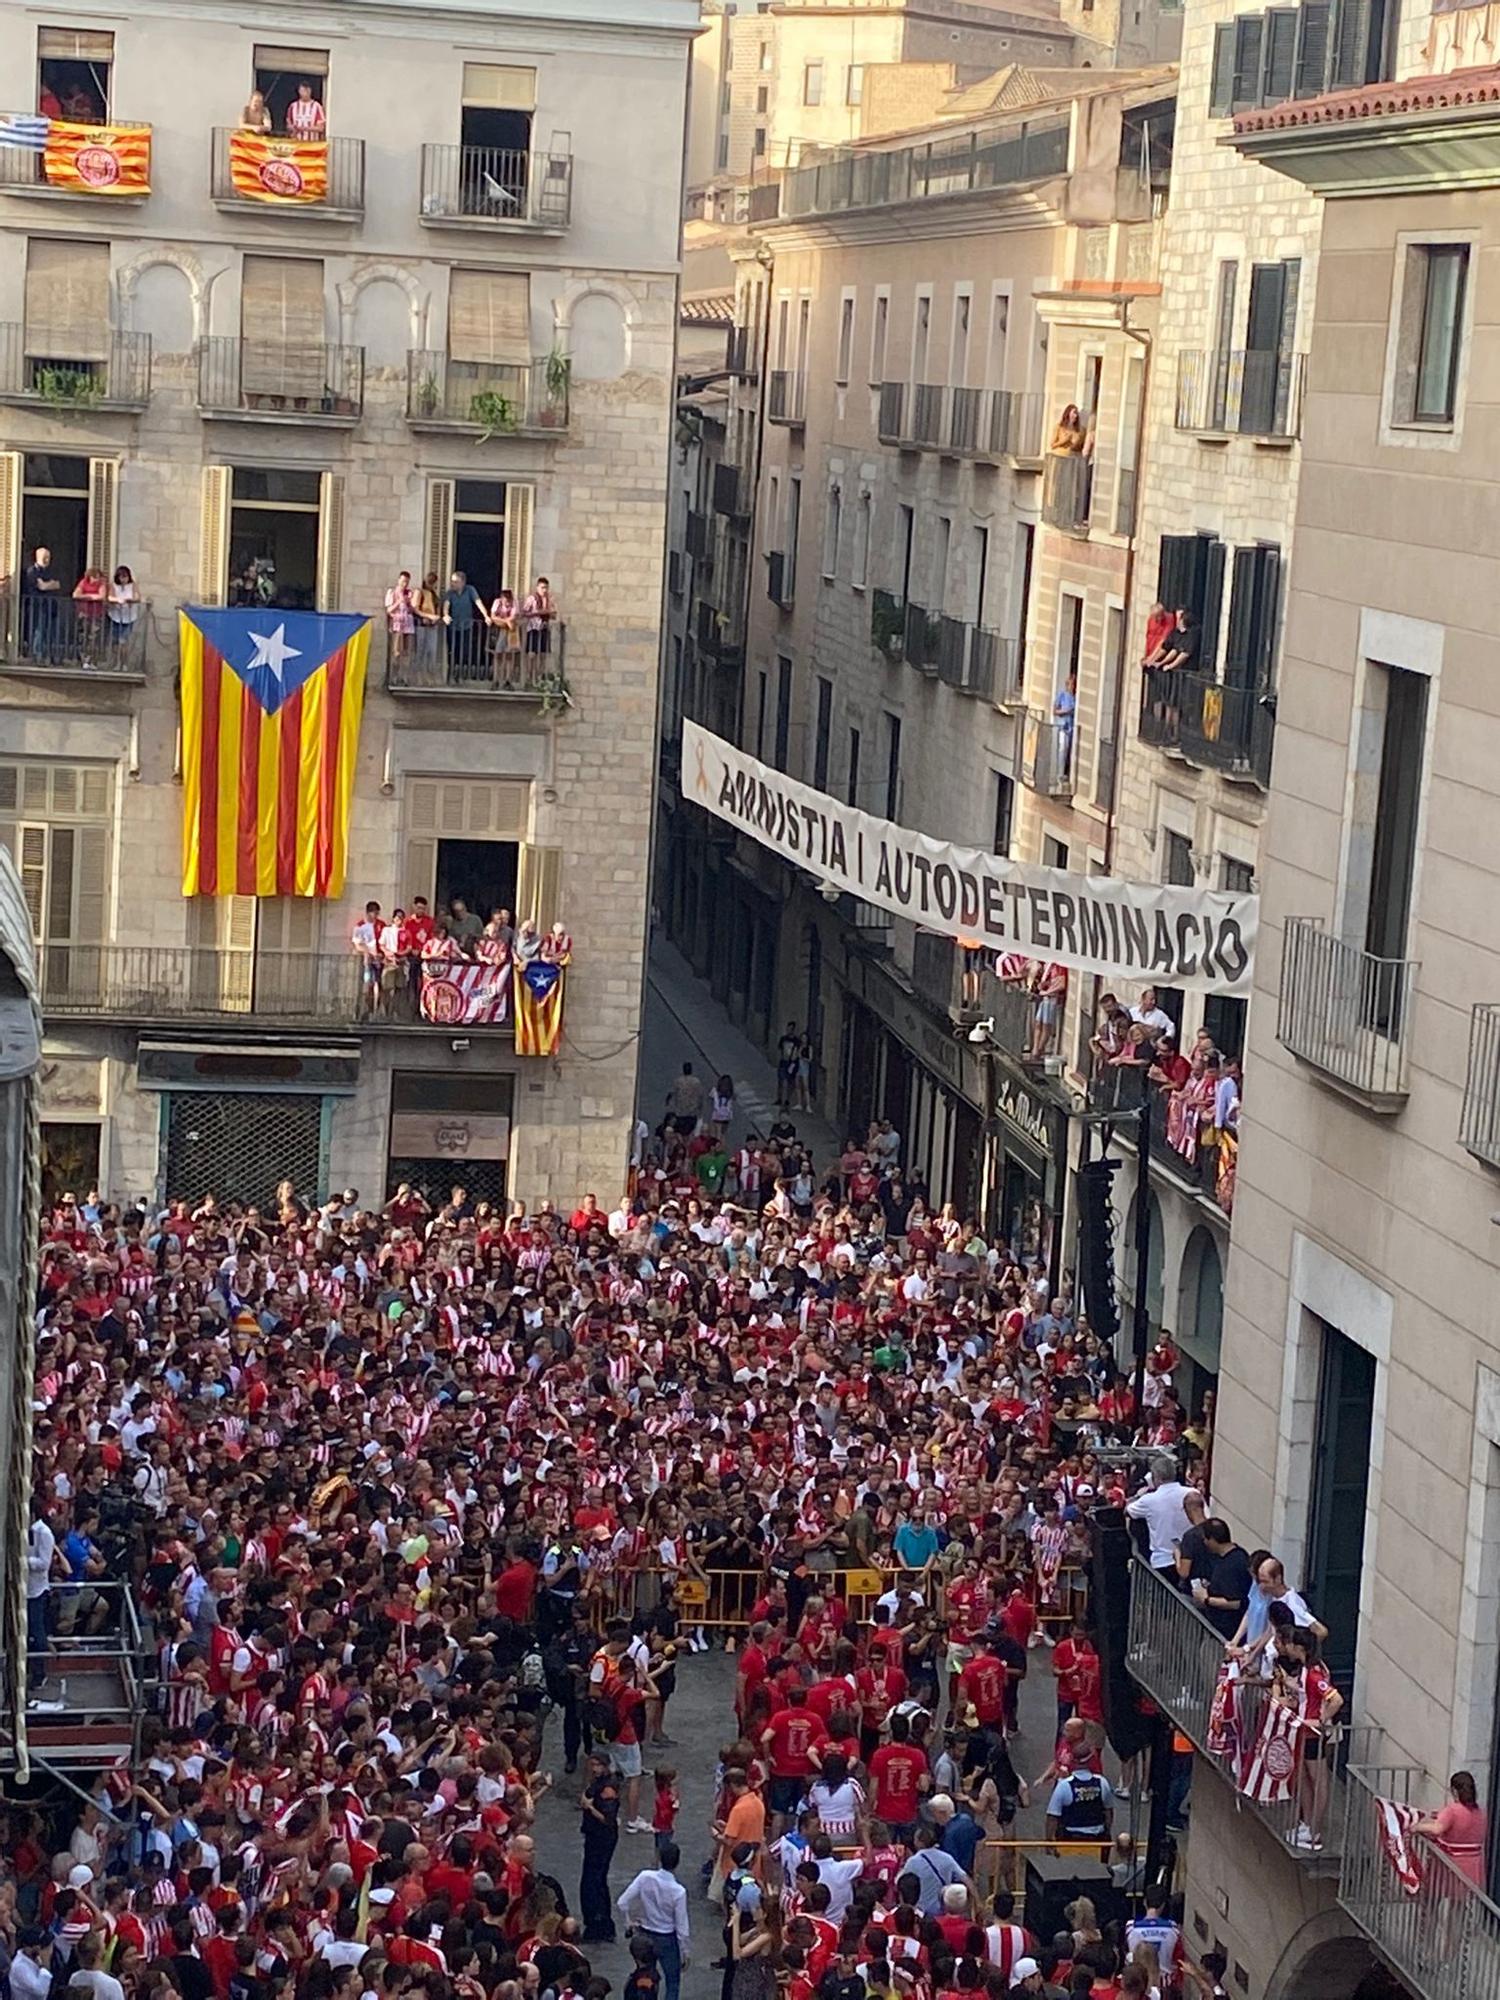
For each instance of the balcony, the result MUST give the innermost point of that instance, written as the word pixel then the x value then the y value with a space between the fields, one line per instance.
pixel 720 634
pixel 993 424
pixel 118 377
pixel 1346 1013
pixel 1228 729
pixel 920 639
pixel 786 396
pixel 781 579
pixel 1047 754
pixel 95 179
pixel 263 383
pixel 1206 1171
pixel 492 187
pixel 1067 491
pixel 1174 1653
pixel 891 418
pixel 937 170
pixel 59 638
pixel 926 429
pixel 888 625
pixel 490 398
pixel 480 662
pixel 1479 1129
pixel 974 660
pixel 1249 392
pixel 699 538
pixel 257 988
pixel 740 355
pixel 1443 1934
pixel 343 199
pixel 731 494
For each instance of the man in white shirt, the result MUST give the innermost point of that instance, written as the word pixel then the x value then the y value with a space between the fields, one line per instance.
pixel 839 1877
pixel 41 1549
pixel 1151 1012
pixel 656 1903
pixel 1168 1508
pixel 31 1968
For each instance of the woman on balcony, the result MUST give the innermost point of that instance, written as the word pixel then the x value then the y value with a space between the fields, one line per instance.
pixel 123 607
pixel 1459 1830
pixel 1069 436
pixel 89 594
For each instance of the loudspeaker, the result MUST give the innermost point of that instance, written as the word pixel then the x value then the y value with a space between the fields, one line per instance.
pixel 1055 1880
pixel 1096 1247
pixel 1128 1729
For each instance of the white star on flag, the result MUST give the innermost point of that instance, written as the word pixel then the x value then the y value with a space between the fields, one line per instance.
pixel 273 652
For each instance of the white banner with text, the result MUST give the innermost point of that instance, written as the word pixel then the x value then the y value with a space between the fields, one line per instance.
pixel 1131 932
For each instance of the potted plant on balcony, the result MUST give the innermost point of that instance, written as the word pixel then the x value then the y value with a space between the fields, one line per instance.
pixel 494 413
pixel 67 388
pixel 558 373
pixel 427 396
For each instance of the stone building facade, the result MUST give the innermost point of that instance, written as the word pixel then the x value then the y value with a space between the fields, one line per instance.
pixel 461 358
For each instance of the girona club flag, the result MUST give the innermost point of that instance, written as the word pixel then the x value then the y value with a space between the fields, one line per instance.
pixel 278 170
pixel 98 159
pixel 271 704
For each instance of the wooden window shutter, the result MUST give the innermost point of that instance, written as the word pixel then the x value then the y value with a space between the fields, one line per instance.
pixel 1212 607
pixel 489 316
pixel 1221 90
pixel 516 557
pixel 67 300
pixel 213 534
pixel 538 884
pixel 1239 645
pixel 453 804
pixel 32 862
pixel 437 541
pixel 91 885
pixel 499 87
pixel 281 301
pixel 10 533
pixel 419 869
pixel 330 541
pixel 104 496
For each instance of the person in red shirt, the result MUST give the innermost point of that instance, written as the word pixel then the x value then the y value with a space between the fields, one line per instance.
pixel 1065 1663
pixel 792 1740
pixel 453 1878
pixel 220 1953
pixel 837 1688
pixel 898 1778
pixel 754 1671
pixel 515 1589
pixel 881 1686
pixel 1018 1616
pixel 983 1682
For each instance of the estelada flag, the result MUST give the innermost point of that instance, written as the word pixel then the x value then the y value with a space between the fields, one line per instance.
pixel 98 159
pixel 539 997
pixel 266 169
pixel 271 703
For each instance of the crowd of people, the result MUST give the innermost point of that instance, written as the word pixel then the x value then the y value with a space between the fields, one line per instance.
pixel 427 1505
pixel 455 634
pixel 1194 1096
pixel 399 950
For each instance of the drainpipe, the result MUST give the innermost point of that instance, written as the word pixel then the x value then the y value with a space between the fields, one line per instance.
pixel 1143 341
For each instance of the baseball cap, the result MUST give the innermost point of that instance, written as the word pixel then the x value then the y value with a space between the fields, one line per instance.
pixel 1023 1968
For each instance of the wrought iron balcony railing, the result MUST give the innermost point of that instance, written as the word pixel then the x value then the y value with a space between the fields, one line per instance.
pixel 786 398
pixel 1230 729
pixel 1067 491
pixel 104 371
pixel 59 635
pixel 1253 391
pixel 497 187
pixel 263 379
pixel 1346 1012
pixel 344 191
pixel 480 659
pixel 495 398
pixel 1480 1126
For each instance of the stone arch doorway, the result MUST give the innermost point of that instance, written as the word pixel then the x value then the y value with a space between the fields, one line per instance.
pixel 1340 1968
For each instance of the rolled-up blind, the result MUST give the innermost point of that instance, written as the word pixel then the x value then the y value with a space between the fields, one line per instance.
pixel 489 316
pixel 67 300
pixel 299 62
pixel 281 318
pixel 74 45
pixel 499 87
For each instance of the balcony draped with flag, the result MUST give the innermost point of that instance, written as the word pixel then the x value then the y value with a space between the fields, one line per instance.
pixel 271 704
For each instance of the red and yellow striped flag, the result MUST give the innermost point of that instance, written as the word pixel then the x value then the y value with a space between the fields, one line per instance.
pixel 265 169
pixel 98 159
pixel 271 702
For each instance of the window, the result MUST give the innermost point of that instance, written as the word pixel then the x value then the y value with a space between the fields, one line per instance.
pixel 921 328
pixel 782 750
pixel 489 319
pixel 1267 388
pixel 74 69
pixel 274 529
pixel 958 363
pixel 793 530
pixel 893 767
pixel 67 304
pixel 940 558
pixel 846 337
pixel 1126 479
pixel 1054 852
pixel 979 572
pixel 279 74
pixel 854 84
pixel 906 529
pixel 723 155
pixel 822 734
pixel 281 326
pixel 55 822
pixel 879 322
pixel 851 785
pixel 1254 611
pixel 760 719
pixel 1109 697
pixel 765 55
pixel 859 566
pixel 760 142
pixel 783 331
pixel 999 339
pixel 812 83
pixel 1005 814
pixel 1228 285
pixel 1237 877
pixel 833 522
pixel 1190 577
pixel 1264 59
pixel 1177 860
pixel 773 511
pixel 763 97
pixel 1430 333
